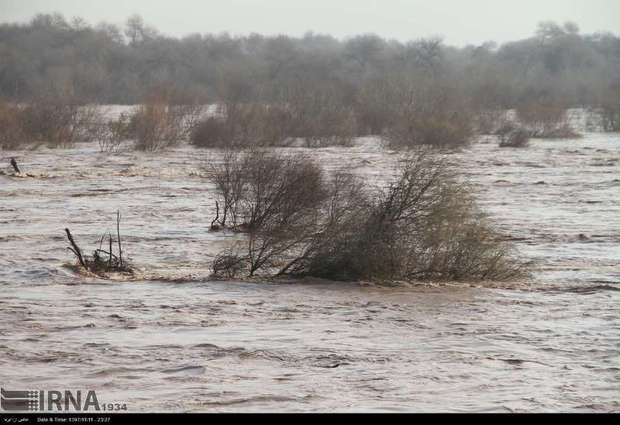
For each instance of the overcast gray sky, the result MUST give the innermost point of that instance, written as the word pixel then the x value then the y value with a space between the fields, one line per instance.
pixel 459 21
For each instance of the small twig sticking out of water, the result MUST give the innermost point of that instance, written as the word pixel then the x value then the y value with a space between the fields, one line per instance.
pixel 118 236
pixel 15 167
pixel 75 249
pixel 110 257
pixel 103 262
pixel 103 251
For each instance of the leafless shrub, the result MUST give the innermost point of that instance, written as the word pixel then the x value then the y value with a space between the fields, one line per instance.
pixel 243 125
pixel 51 123
pixel 330 128
pixel 158 123
pixel 489 121
pixel 344 216
pixel 229 264
pixel 275 199
pixel 90 124
pixel 54 121
pixel 60 121
pixel 102 262
pixel 258 125
pixel 155 126
pixel 230 182
pixel 610 117
pixel 192 116
pixel 12 134
pixel 432 114
pixel 512 136
pixel 115 132
pixel 610 109
pixel 320 119
pixel 373 108
pixel 252 125
pixel 548 120
pixel 281 207
pixel 212 132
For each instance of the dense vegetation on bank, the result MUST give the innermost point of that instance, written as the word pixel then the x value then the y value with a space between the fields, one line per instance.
pixel 272 90
pixel 109 64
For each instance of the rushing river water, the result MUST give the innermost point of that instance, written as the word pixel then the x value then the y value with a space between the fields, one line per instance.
pixel 176 341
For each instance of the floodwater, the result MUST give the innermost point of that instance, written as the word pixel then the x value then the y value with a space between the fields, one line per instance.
pixel 174 340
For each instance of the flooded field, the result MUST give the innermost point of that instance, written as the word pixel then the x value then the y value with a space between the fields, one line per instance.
pixel 173 340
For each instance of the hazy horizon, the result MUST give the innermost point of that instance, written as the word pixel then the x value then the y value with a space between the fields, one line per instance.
pixel 459 23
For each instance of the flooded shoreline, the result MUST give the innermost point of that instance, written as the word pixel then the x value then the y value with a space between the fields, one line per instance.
pixel 176 341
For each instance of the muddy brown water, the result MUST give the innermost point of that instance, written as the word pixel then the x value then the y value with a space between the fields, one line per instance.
pixel 173 340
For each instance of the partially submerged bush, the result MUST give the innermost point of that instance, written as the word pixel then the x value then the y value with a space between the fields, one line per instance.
pixel 90 124
pixel 431 115
pixel 230 181
pixel 335 127
pixel 61 122
pixel 373 108
pixel 114 133
pixel 243 125
pixel 257 125
pixel 12 134
pixel 211 132
pixel 228 264
pixel 546 120
pixel 610 117
pixel 320 119
pixel 424 225
pixel 53 121
pixel 489 121
pixel 275 199
pixel 102 262
pixel 610 109
pixel 50 123
pixel 156 125
pixel 282 207
pixel 261 125
pixel 513 136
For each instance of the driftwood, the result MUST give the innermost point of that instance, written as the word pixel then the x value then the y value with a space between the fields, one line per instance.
pixel 102 261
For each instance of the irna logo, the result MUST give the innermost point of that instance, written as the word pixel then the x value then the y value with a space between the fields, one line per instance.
pixel 49 401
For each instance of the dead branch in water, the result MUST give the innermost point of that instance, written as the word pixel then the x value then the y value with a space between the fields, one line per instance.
pixel 216 223
pixel 102 261
pixel 110 256
pixel 15 167
pixel 76 249
pixel 118 237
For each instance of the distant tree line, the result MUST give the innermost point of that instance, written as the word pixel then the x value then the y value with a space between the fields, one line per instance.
pixel 109 64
